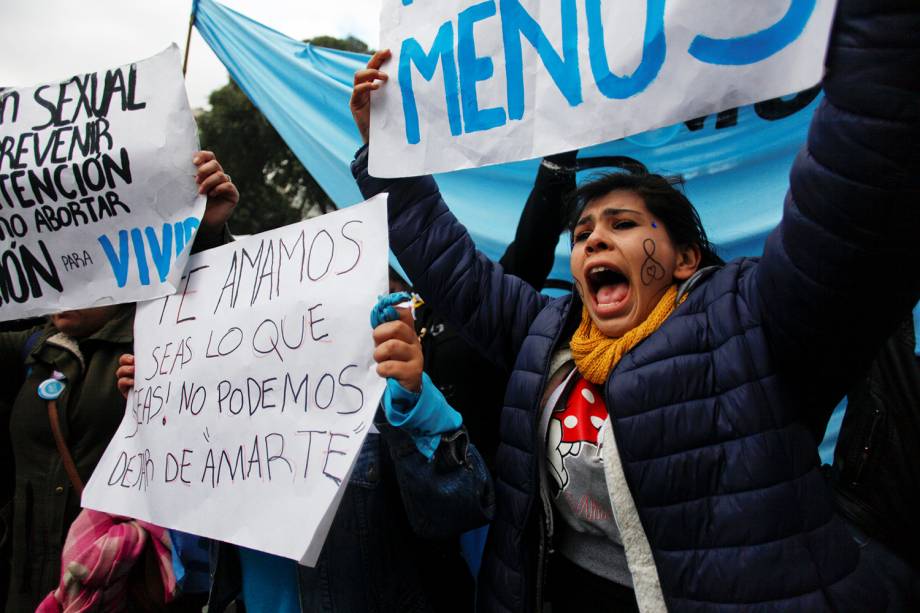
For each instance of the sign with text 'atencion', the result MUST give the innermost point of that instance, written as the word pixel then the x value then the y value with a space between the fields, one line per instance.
pixel 477 82
pixel 98 202
pixel 255 387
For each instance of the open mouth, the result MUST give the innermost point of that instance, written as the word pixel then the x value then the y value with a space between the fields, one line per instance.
pixel 609 287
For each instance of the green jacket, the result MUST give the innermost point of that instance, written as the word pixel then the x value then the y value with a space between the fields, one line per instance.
pixel 90 409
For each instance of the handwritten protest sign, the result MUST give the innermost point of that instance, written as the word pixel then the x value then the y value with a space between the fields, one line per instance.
pixel 255 387
pixel 477 82
pixel 98 202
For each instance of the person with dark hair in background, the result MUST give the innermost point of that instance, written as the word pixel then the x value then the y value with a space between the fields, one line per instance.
pixel 876 470
pixel 56 445
pixel 678 402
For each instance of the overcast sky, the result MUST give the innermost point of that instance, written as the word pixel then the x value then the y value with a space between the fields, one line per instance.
pixel 48 40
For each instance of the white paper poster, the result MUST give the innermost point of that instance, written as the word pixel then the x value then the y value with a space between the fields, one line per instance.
pixel 475 83
pixel 98 202
pixel 255 387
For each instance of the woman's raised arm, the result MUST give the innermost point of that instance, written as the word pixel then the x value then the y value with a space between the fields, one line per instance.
pixel 839 272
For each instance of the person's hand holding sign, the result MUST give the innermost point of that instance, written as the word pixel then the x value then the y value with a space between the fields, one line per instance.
pixel 366 81
pixel 124 375
pixel 221 192
pixel 398 351
pixel 411 401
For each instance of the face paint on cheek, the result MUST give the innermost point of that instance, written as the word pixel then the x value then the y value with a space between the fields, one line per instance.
pixel 652 270
pixel 654 225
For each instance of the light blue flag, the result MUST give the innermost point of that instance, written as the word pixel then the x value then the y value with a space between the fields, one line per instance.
pixel 301 89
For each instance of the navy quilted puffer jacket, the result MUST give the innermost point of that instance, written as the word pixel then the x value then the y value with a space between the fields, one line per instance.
pixel 716 415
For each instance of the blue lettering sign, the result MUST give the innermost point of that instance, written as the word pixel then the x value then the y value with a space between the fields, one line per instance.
pixel 462 76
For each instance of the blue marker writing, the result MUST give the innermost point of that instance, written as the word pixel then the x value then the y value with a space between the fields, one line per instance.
pixel 755 47
pixel 474 69
pixel 653 52
pixel 412 53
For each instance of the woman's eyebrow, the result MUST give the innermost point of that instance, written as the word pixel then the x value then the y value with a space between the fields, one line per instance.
pixel 611 212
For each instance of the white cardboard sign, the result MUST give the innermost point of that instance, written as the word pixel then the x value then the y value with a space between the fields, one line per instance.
pixel 255 387
pixel 98 202
pixel 477 82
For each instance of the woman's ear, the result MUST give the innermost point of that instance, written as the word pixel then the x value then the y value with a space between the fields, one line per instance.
pixel 688 261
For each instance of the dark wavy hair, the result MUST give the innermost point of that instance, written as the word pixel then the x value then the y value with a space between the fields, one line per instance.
pixel 662 197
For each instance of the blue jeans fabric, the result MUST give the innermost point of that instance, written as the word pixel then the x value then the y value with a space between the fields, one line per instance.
pixel 393 545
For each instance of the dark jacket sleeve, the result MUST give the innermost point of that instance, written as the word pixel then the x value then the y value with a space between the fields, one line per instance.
pixel 490 309
pixel 449 494
pixel 840 270
pixel 530 256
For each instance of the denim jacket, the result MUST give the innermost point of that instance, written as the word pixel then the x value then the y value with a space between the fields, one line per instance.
pixel 399 516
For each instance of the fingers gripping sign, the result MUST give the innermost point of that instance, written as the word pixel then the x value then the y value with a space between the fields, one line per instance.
pixel 222 194
pixel 398 351
pixel 366 81
pixel 125 373
pixel 411 401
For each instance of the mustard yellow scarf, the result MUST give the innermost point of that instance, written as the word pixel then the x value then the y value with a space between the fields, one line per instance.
pixel 596 354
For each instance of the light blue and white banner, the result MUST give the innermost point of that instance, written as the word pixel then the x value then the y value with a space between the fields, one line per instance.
pixel 476 82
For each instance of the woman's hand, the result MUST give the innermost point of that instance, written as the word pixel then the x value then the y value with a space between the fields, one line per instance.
pixel 366 81
pixel 221 192
pixel 398 351
pixel 125 373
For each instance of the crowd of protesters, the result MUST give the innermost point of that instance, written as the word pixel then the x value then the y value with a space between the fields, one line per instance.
pixel 646 442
